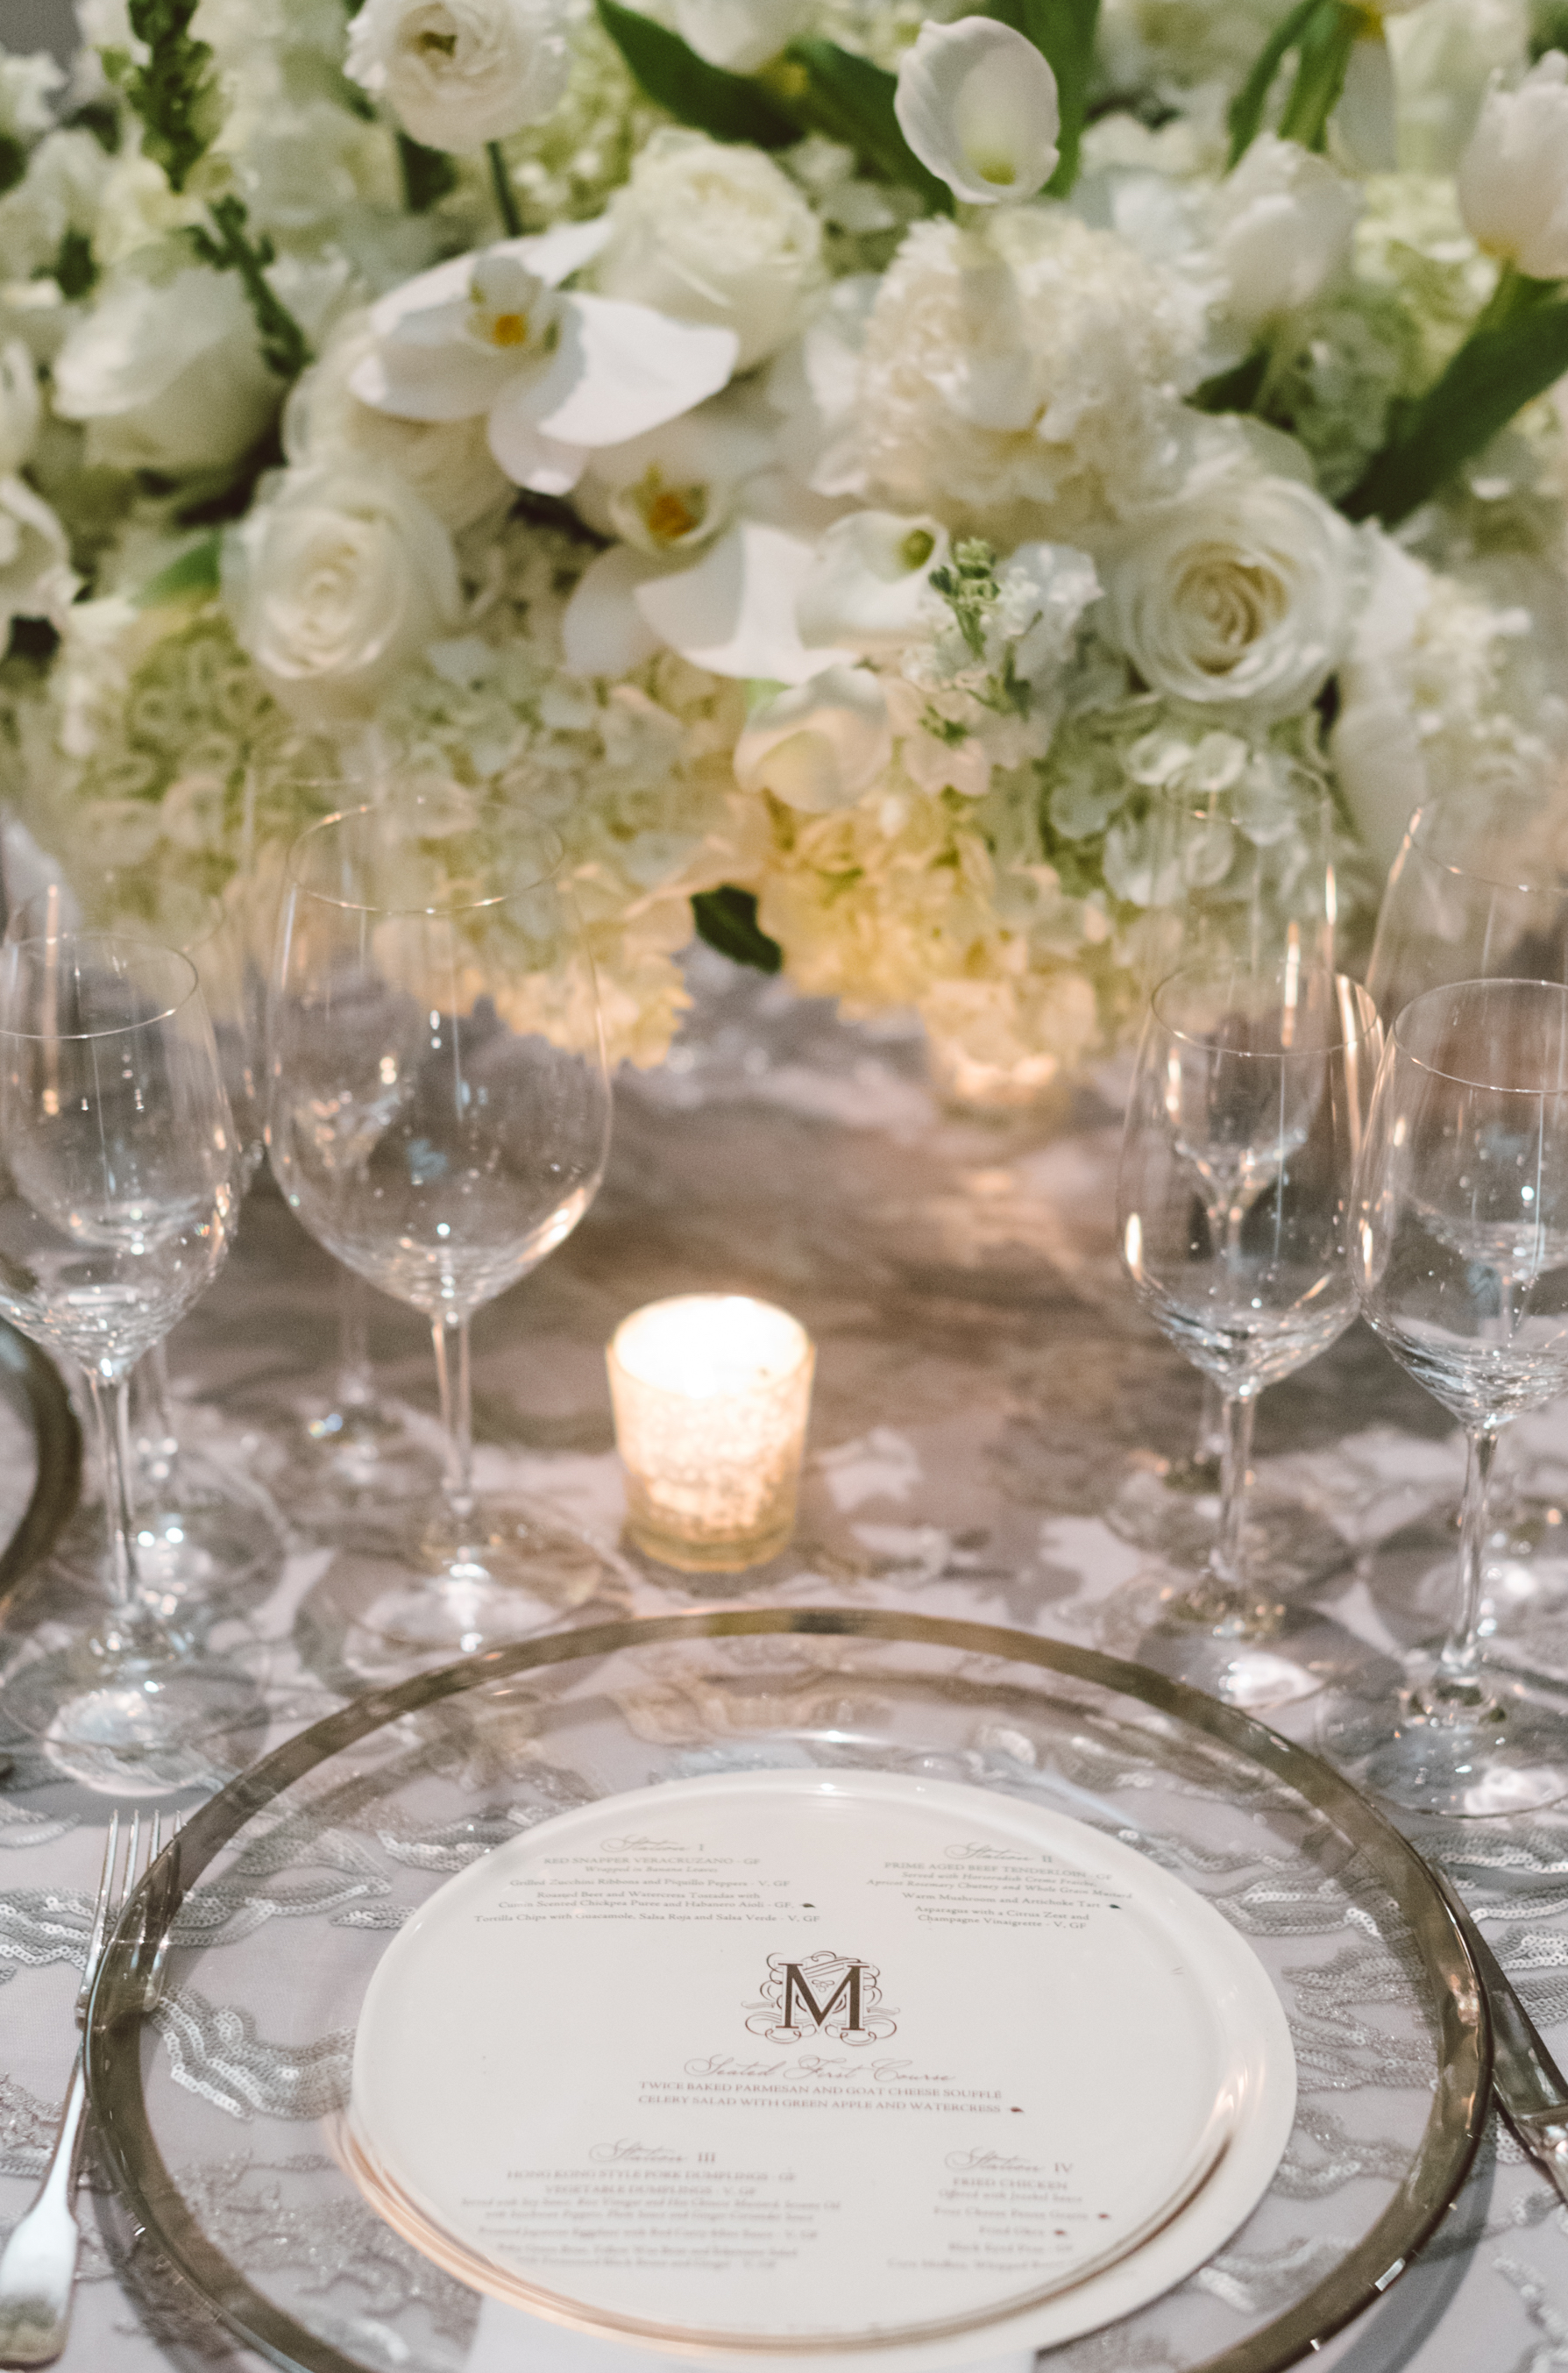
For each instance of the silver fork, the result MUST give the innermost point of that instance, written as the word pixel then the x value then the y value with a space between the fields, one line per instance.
pixel 40 2265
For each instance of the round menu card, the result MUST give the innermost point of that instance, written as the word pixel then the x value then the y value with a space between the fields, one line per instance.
pixel 822 2062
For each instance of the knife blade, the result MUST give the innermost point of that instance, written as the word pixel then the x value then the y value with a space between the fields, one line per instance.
pixel 1531 2089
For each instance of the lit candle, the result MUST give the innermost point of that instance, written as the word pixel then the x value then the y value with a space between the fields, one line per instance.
pixel 711 1393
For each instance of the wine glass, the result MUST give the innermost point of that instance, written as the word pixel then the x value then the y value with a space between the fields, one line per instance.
pixel 1479 890
pixel 118 1196
pixel 439 1118
pixel 1460 1260
pixel 1233 1212
pixel 204 1535
pixel 1241 870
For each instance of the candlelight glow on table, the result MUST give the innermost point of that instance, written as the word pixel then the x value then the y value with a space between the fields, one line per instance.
pixel 711 1393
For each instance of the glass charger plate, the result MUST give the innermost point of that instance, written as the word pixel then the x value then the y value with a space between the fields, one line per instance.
pixel 218 2112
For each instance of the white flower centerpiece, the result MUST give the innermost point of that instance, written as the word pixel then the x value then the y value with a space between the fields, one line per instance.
pixel 839 463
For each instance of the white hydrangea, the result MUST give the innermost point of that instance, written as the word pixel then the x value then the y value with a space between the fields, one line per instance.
pixel 1024 380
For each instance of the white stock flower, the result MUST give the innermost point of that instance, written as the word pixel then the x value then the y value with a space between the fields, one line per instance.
pixel 20 405
pixel 708 231
pixel 449 463
pixel 868 584
pixel 741 34
pixel 820 745
pixel 977 104
pixel 338 580
pixel 458 73
pixel 166 375
pixel 28 84
pixel 35 559
pixel 1282 225
pixel 1245 593
pixel 556 375
pixel 1512 178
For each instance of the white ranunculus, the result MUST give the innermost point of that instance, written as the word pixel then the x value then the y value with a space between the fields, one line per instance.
pixel 708 232
pixel 35 558
pixel 1512 178
pixel 458 73
pixel 1281 224
pixel 977 104
pixel 740 34
pixel 1246 592
pixel 336 582
pixel 868 585
pixel 449 463
pixel 821 746
pixel 167 374
pixel 20 405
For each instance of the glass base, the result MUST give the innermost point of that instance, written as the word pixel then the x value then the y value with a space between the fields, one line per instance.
pixel 219 1550
pixel 1251 1651
pixel 1172 1505
pixel 512 1572
pixel 1472 1753
pixel 346 1469
pixel 139 1721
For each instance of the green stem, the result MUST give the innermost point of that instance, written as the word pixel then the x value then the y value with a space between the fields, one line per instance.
pixel 285 348
pixel 1328 40
pixel 506 197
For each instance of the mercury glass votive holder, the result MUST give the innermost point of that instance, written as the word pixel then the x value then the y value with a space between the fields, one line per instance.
pixel 711 1392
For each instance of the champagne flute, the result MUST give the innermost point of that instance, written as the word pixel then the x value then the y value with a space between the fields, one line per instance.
pixel 118 1195
pixel 1232 1209
pixel 1241 870
pixel 205 1537
pixel 1460 1260
pixel 1479 890
pixel 440 1120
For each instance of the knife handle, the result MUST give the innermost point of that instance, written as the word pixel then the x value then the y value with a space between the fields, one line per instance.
pixel 1544 2133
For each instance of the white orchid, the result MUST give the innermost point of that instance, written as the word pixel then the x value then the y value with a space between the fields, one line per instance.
pixel 559 374
pixel 821 746
pixel 867 586
pixel 977 104
pixel 740 34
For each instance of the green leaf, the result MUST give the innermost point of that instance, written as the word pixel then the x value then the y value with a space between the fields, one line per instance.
pixel 195 571
pixel 850 99
pixel 13 161
pixel 1497 370
pixel 1236 389
pixel 1063 32
pixel 1245 117
pixel 726 918
pixel 428 175
pixel 1328 39
pixel 728 106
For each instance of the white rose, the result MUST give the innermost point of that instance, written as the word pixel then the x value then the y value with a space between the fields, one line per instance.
pixel 448 463
pixel 740 34
pixel 1282 224
pixel 458 73
pixel 336 582
pixel 20 405
pixel 1512 178
pixel 168 376
pixel 1246 592
pixel 35 559
pixel 709 233
pixel 821 746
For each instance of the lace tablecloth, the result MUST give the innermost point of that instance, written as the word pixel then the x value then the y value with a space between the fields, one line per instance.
pixel 983 1378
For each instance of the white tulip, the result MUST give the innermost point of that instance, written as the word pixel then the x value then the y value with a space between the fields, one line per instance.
pixel 819 747
pixel 740 34
pixel 1282 224
pixel 977 104
pixel 458 73
pixel 868 585
pixel 1512 178
pixel 337 580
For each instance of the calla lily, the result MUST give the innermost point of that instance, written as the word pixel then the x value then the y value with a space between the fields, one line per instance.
pixel 559 374
pixel 868 587
pixel 732 613
pixel 821 746
pixel 977 104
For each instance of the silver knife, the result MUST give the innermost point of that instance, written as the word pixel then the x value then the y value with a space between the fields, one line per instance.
pixel 1531 2089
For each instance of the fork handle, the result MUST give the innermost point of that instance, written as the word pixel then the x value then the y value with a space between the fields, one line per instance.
pixel 40 2265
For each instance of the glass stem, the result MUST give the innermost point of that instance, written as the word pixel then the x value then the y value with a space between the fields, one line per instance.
pixel 1237 1412
pixel 353 1390
pixel 156 1438
pixel 1459 1664
pixel 111 1422
pixel 1210 1426
pixel 451 1339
